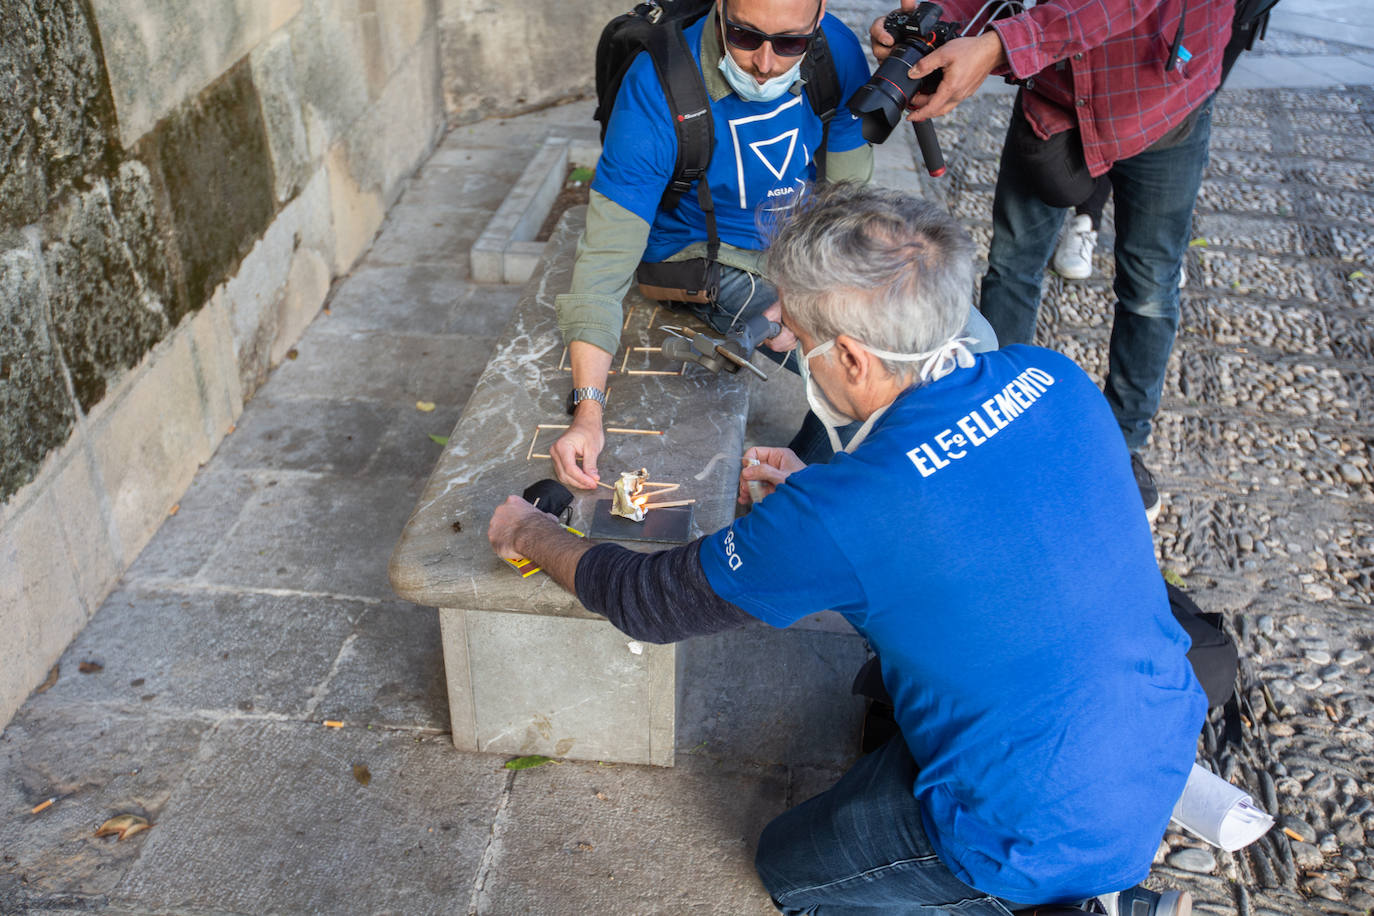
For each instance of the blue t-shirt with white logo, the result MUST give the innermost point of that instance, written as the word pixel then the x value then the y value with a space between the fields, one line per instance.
pixel 764 151
pixel 988 541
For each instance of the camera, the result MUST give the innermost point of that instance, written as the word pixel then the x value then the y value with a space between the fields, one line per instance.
pixel 883 101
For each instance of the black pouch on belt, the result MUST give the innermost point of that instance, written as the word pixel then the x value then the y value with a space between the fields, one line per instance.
pixel 694 280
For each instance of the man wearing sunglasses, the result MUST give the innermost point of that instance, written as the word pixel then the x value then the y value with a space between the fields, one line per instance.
pixel 767 137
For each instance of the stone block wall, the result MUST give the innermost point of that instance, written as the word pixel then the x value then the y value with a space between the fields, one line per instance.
pixel 180 184
pixel 506 58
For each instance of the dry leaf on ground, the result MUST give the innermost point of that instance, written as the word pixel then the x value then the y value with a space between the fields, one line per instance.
pixel 123 826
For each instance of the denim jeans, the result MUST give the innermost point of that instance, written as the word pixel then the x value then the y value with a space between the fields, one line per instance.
pixel 860 848
pixel 1155 192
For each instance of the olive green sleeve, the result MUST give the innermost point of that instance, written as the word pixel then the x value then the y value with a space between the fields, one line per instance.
pixel 851 165
pixel 608 252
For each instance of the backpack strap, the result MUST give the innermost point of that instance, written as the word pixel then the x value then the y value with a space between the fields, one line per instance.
pixel 822 90
pixel 690 110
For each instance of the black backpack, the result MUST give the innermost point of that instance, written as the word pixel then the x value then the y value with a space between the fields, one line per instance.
pixel 657 26
pixel 1248 26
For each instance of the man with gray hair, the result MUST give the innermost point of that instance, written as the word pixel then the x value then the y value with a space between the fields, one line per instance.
pixel 981 531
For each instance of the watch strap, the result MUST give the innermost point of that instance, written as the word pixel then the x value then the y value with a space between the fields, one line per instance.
pixel 586 393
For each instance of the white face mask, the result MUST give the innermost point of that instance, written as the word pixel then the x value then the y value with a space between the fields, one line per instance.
pixel 748 88
pixel 939 362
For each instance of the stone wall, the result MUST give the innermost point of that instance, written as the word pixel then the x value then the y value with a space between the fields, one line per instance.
pixel 507 58
pixel 179 186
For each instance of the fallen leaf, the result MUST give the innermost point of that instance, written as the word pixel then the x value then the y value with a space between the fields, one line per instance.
pixel 1357 275
pixel 292 353
pixel 424 406
pixel 123 826
pixel 581 174
pixel 49 680
pixel 1174 579
pixel 525 763
pixel 1198 242
pixel 90 667
pixel 43 805
pixel 439 440
pixel 362 773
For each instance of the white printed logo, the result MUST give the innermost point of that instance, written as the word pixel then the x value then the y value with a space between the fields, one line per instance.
pixel 774 150
pixel 731 557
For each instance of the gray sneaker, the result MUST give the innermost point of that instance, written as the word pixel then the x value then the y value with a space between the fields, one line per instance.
pixel 1139 901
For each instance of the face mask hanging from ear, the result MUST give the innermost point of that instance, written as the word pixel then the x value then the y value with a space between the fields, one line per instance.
pixel 745 86
pixel 938 362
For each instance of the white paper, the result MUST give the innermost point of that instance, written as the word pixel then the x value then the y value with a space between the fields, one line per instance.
pixel 1218 812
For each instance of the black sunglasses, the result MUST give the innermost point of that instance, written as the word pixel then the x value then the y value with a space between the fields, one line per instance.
pixel 750 39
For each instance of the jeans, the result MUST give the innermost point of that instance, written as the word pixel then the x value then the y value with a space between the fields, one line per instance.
pixel 860 848
pixel 1155 192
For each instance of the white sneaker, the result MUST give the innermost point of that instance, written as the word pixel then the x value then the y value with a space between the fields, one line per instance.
pixel 1073 259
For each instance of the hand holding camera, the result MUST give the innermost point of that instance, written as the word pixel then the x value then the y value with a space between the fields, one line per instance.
pixel 927 71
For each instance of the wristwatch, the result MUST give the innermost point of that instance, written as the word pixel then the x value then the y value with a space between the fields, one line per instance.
pixel 588 393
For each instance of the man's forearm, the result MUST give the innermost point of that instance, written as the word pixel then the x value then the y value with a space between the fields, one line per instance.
pixel 591 365
pixel 547 544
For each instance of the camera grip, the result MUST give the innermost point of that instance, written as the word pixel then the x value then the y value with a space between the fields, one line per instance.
pixel 931 154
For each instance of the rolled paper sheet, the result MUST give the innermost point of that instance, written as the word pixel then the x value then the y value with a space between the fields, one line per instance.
pixel 1218 812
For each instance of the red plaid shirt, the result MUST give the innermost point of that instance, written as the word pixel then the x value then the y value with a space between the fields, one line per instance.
pixel 1099 65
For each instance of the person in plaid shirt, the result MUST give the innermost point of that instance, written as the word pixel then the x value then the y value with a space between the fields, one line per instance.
pixel 1121 88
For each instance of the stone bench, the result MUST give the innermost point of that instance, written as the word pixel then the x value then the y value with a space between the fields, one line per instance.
pixel 529 670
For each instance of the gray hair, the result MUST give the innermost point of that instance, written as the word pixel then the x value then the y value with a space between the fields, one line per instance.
pixel 887 268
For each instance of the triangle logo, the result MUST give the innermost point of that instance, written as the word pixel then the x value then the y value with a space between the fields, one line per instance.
pixel 776 150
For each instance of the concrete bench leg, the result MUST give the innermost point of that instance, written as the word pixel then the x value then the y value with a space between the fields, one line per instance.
pixel 559 686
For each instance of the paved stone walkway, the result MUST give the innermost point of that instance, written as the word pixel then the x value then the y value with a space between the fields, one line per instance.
pixel 197 695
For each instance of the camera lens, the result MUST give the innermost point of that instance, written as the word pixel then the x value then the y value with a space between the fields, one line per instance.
pixel 882 102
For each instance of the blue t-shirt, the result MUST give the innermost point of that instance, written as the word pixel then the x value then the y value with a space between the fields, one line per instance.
pixel 987 539
pixel 764 151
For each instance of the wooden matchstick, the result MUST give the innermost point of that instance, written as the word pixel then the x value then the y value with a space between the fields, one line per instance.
pixel 668 505
pixel 634 432
pixel 653 372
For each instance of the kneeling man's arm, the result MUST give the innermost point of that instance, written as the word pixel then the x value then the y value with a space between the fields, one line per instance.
pixel 655 597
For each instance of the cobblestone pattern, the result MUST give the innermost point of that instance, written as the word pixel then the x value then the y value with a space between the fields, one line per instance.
pixel 1263 447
